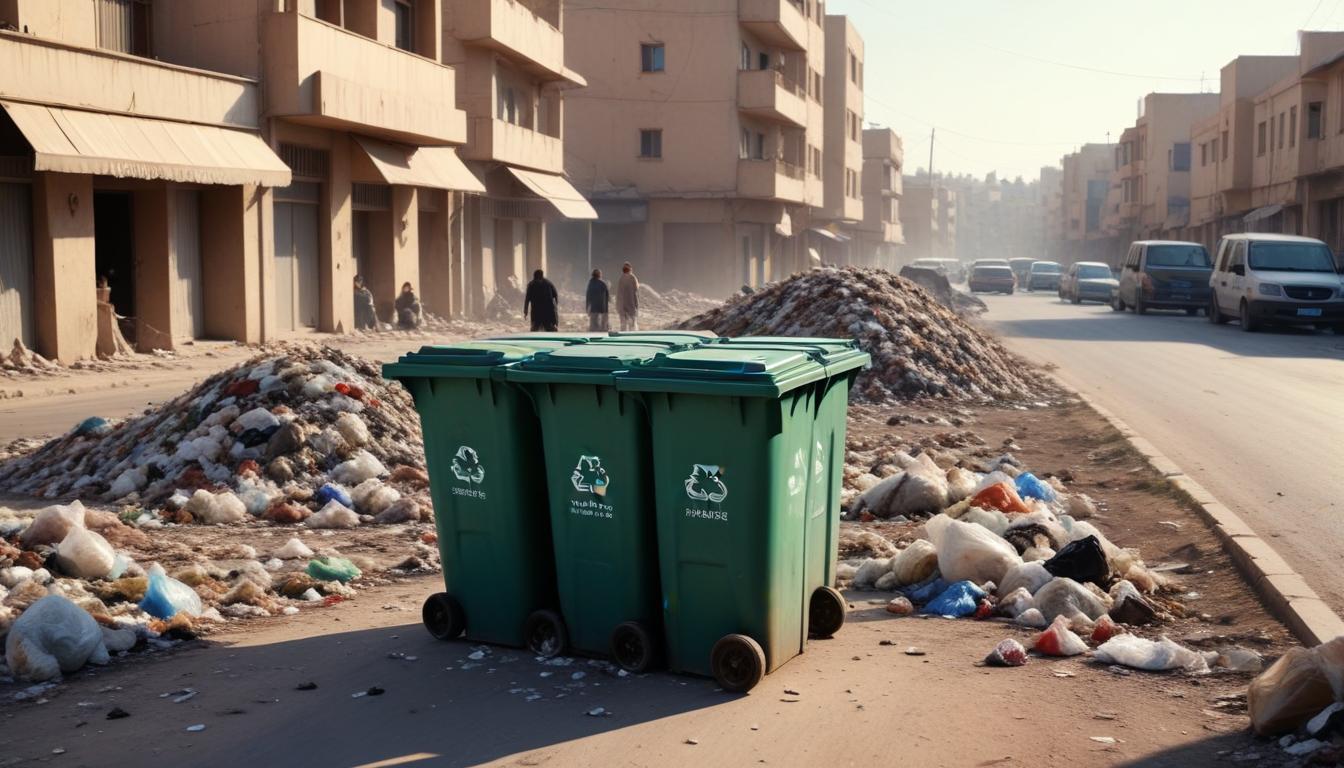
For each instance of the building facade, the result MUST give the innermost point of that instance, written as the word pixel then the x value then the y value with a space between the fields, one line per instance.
pixel 842 147
pixel 878 237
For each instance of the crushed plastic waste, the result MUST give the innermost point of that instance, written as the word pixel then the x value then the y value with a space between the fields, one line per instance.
pixel 1031 487
pixel 1151 655
pixel 1065 597
pixel 53 636
pixel 1059 640
pixel 1008 653
pixel 1082 560
pixel 959 599
pixel 1296 688
pixel 970 552
pixel 332 569
pixel 165 597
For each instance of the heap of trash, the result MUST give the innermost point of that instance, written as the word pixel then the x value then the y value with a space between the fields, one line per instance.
pixel 303 435
pixel 1010 545
pixel 920 348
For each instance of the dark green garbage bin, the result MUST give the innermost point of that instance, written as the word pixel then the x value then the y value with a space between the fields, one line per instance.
pixel 732 439
pixel 566 337
pixel 679 337
pixel 483 453
pixel 843 360
pixel 600 477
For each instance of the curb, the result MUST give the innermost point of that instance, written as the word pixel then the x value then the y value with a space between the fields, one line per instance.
pixel 1283 590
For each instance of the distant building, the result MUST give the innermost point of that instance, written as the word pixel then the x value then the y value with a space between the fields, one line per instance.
pixel 878 238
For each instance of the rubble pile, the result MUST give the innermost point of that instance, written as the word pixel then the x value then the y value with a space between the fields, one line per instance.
pixel 919 347
pixel 283 436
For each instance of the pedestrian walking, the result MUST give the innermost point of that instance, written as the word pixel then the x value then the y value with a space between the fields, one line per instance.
pixel 544 303
pixel 598 302
pixel 627 298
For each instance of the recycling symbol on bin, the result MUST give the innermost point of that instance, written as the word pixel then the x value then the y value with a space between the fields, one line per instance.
pixel 706 483
pixel 467 465
pixel 589 476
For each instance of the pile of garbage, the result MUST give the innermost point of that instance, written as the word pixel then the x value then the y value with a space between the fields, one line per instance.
pixel 936 283
pixel 919 347
pixel 1300 701
pixel 1009 544
pixel 305 434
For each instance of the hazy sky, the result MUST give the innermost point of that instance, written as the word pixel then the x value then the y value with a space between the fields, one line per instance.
pixel 1007 82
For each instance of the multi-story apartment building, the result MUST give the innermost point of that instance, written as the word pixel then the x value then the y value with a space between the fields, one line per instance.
pixel 1052 194
pixel 699 137
pixel 998 219
pixel 919 220
pixel 878 236
pixel 842 148
pixel 1083 190
pixel 946 244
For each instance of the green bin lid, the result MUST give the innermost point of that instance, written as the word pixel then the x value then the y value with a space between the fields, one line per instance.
pixel 838 355
pixel 721 369
pixel 570 337
pixel 587 363
pixel 690 337
pixel 467 360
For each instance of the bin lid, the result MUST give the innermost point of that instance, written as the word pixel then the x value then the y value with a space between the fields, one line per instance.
pixel 570 337
pixel 689 337
pixel 838 355
pixel 728 370
pixel 467 360
pixel 586 363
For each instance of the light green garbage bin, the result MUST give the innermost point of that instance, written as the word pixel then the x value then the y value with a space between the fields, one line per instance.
pixel 600 478
pixel 732 444
pixel 483 453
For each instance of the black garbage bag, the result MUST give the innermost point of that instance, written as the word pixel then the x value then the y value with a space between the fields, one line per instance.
pixel 1081 560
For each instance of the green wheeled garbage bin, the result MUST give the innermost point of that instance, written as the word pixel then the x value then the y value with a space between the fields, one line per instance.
pixel 690 338
pixel 843 360
pixel 600 478
pixel 483 453
pixel 732 444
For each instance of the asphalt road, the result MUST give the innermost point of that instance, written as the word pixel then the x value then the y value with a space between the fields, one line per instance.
pixel 1257 418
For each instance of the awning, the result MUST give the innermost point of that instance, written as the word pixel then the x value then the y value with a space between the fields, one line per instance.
pixel 784 227
pixel 557 191
pixel 829 235
pixel 104 144
pixel 1263 212
pixel 437 167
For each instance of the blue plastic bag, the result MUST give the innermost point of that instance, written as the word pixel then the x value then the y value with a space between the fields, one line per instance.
pixel 958 600
pixel 1030 486
pixel 165 597
pixel 94 425
pixel 333 492
pixel 926 590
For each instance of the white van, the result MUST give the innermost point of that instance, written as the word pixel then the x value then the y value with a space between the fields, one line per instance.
pixel 1265 279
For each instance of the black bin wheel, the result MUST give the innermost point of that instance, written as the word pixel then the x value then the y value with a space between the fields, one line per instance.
pixel 738 663
pixel 443 616
pixel 825 612
pixel 632 646
pixel 545 635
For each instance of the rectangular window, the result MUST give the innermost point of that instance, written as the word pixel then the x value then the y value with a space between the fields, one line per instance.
pixel 1260 139
pixel 1292 127
pixel 763 59
pixel 853 68
pixel 744 145
pixel 404 22
pixel 1282 118
pixel 758 147
pixel 1314 112
pixel 1180 156
pixel 1203 154
pixel 651 57
pixel 651 143
pixel 123 25
pixel 1226 144
pixel 1214 153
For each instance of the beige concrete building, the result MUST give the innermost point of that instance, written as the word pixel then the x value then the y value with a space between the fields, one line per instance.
pixel 1084 185
pixel 842 148
pixel 699 138
pixel 1052 202
pixel 878 237
pixel 921 221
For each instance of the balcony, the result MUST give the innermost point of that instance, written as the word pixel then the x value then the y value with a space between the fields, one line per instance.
pixel 513 29
pixel 778 23
pixel 47 72
pixel 769 95
pixel 500 141
pixel 322 75
pixel 770 180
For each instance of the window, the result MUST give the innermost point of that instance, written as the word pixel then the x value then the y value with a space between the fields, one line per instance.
pixel 1214 153
pixel 1271 131
pixel 758 146
pixel 404 22
pixel 123 25
pixel 651 143
pixel 816 161
pixel 1292 127
pixel 1180 156
pixel 1260 139
pixel 853 68
pixel 507 107
pixel 1226 144
pixel 1282 117
pixel 853 121
pixel 651 57
pixel 1203 154
pixel 764 59
pixel 816 86
pixel 746 57
pixel 1314 111
pixel 744 145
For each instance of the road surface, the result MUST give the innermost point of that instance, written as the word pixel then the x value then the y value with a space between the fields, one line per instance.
pixel 1257 418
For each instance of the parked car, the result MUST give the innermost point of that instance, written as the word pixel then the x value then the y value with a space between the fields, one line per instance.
pixel 992 278
pixel 1043 276
pixel 954 269
pixel 1021 269
pixel 1275 279
pixel 934 264
pixel 1164 274
pixel 1088 281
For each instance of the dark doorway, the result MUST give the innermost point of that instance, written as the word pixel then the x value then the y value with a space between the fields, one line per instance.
pixel 114 252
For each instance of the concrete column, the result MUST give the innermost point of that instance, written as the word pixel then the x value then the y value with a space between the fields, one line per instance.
pixel 65 307
pixel 457 214
pixel 260 217
pixel 436 268
pixel 394 251
pixel 336 258
pixel 155 272
pixel 480 264
pixel 231 263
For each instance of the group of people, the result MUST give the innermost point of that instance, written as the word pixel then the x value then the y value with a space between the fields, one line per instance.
pixel 542 302
pixel 406 308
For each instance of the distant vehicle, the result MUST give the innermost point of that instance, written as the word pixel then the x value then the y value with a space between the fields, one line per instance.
pixel 992 278
pixel 1276 279
pixel 1043 275
pixel 1088 281
pixel 936 264
pixel 1021 269
pixel 1164 274
pixel 954 269
pixel 989 263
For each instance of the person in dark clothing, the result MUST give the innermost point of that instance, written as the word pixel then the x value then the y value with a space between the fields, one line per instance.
pixel 544 303
pixel 365 317
pixel 599 297
pixel 408 308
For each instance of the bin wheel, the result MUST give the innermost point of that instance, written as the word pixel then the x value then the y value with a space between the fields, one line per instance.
pixel 632 647
pixel 443 616
pixel 825 612
pixel 738 663
pixel 544 633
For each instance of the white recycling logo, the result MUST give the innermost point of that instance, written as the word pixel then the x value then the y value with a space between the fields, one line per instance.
pixel 706 483
pixel 467 465
pixel 589 476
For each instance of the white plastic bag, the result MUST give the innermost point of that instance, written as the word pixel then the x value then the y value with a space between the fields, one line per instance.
pixel 333 515
pixel 361 467
pixel 1151 655
pixel 1059 640
pixel 920 489
pixel 52 524
pixel 992 519
pixel 212 508
pixel 1030 576
pixel 870 571
pixel 257 418
pixel 915 563
pixel 165 597
pixel 372 497
pixel 1065 597
pixel 293 550
pixel 970 552
pixel 53 636
pixel 84 554
pixel 353 429
pixel 1016 602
